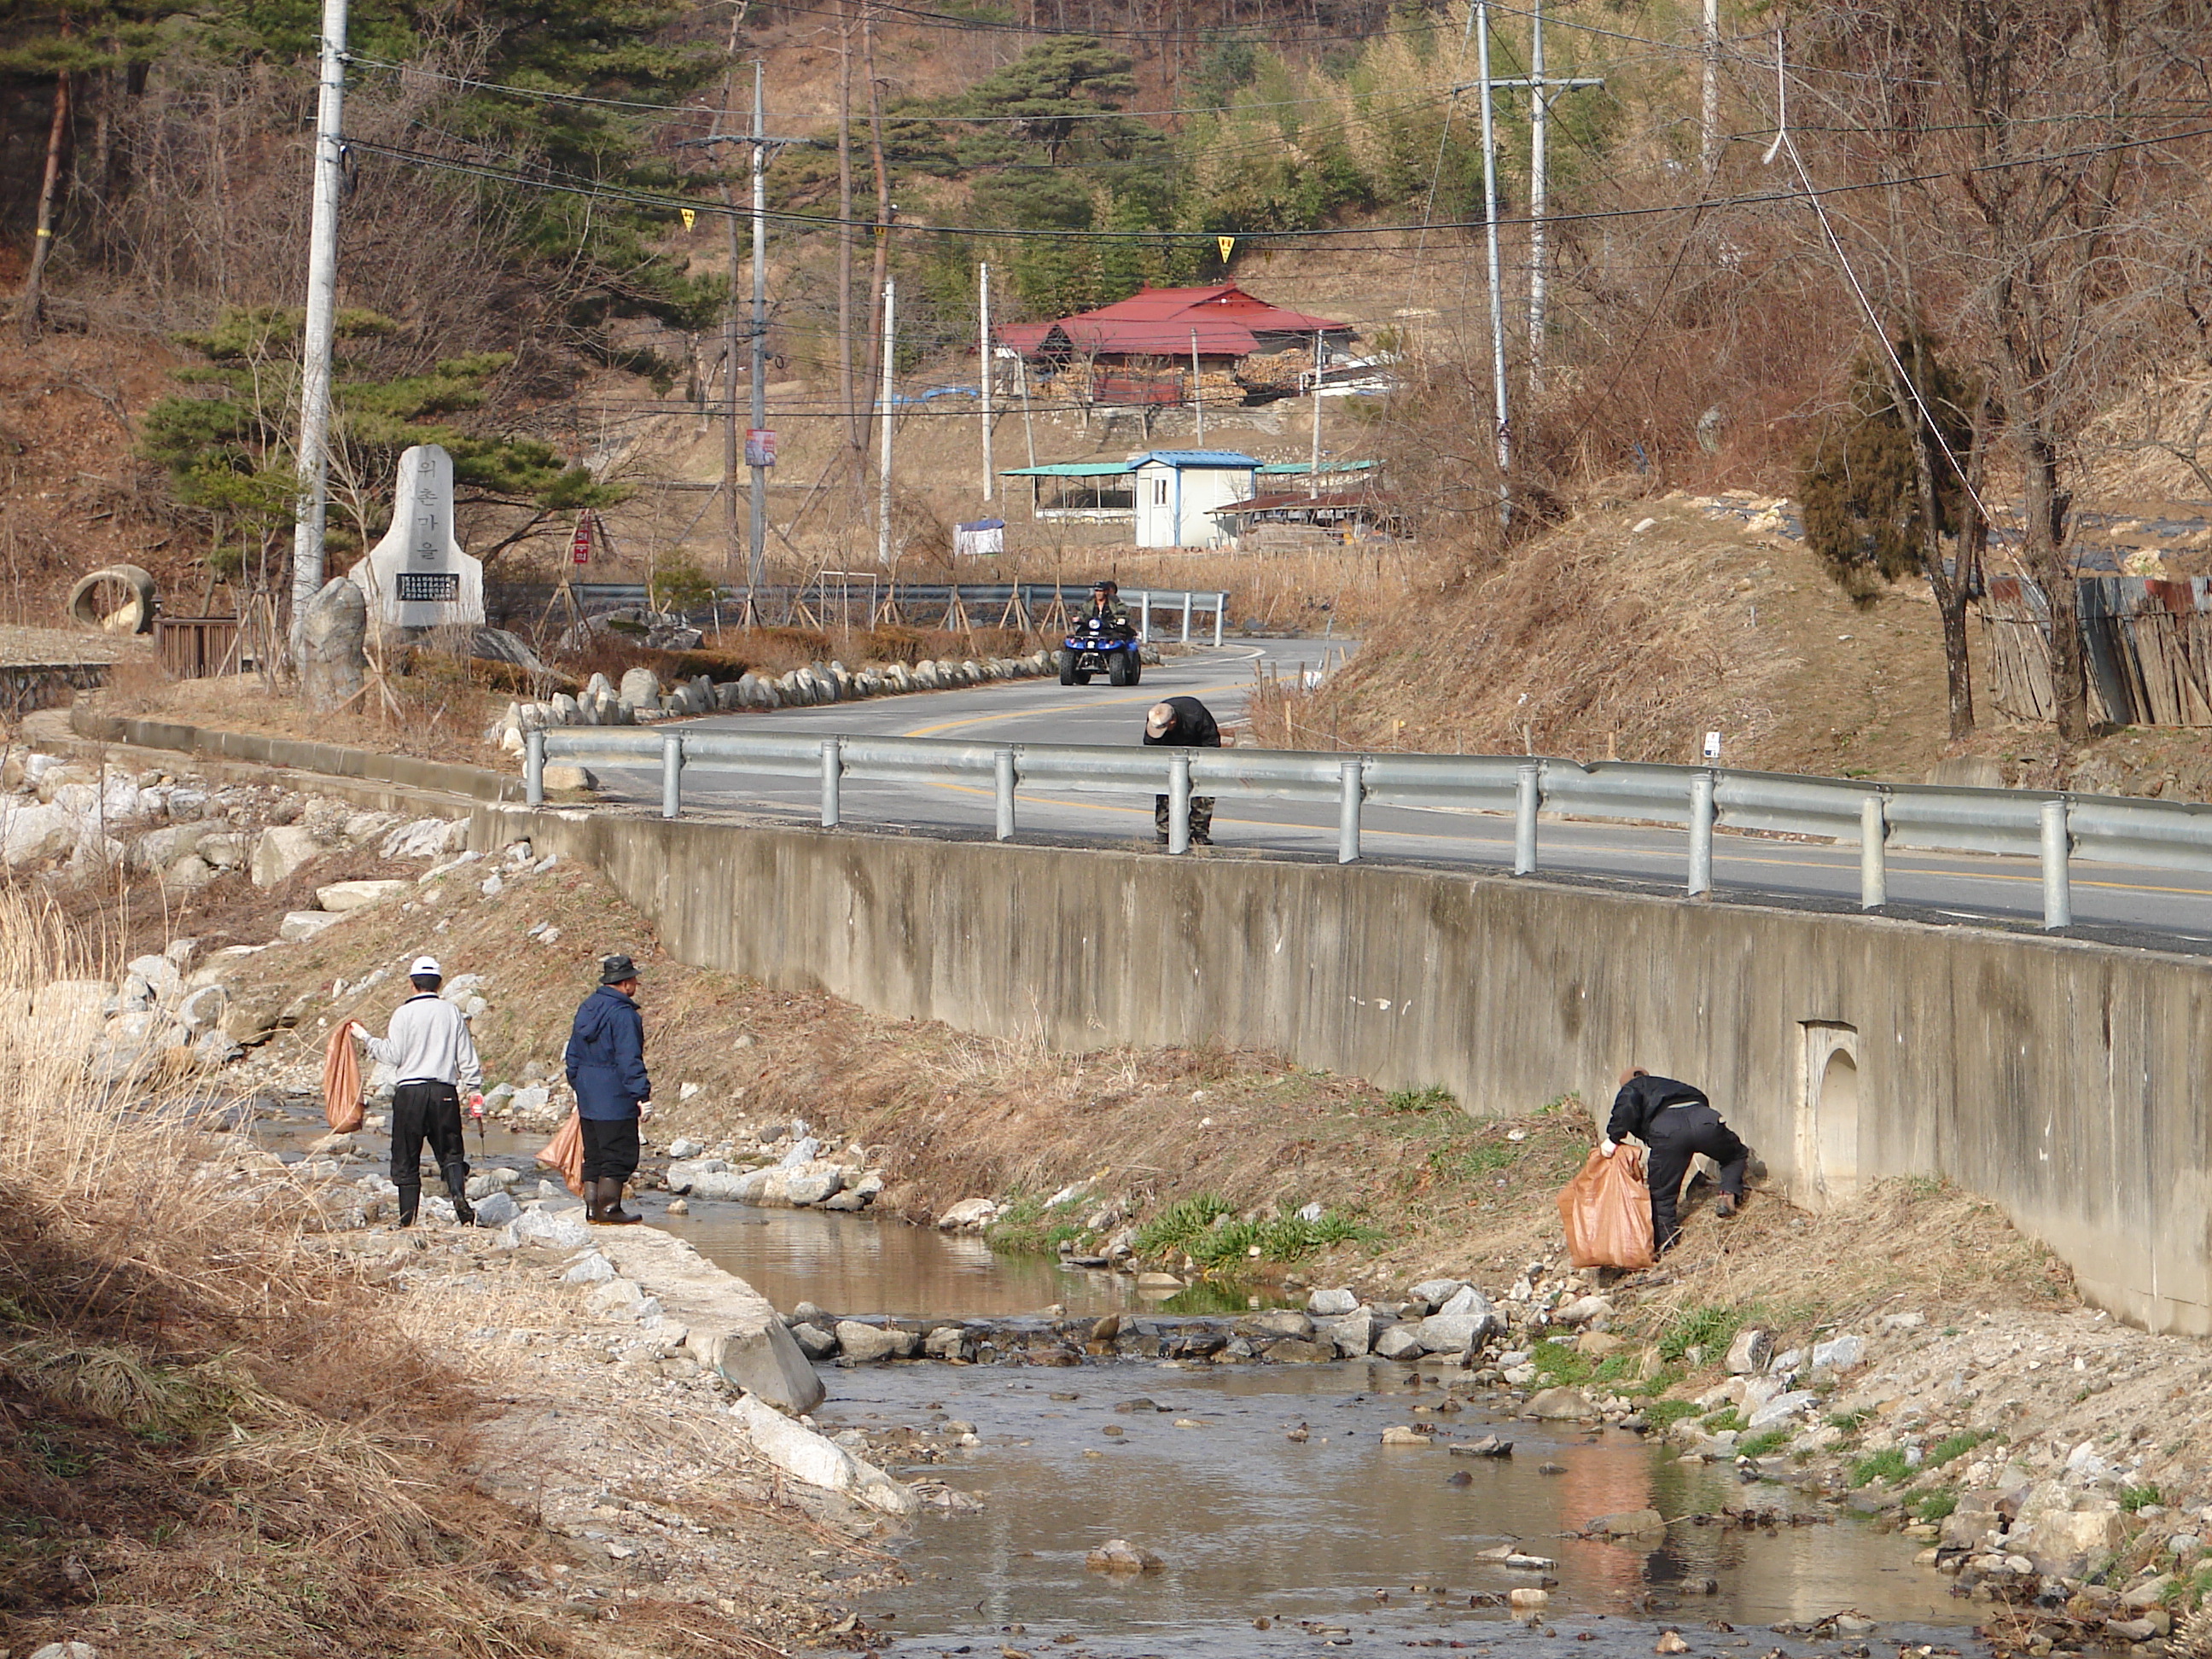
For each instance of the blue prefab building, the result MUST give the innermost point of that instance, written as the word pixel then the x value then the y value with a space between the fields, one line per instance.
pixel 1177 491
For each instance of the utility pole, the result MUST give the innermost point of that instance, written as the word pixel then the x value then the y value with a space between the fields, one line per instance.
pixel 757 546
pixel 984 328
pixel 1497 288
pixel 1709 134
pixel 312 504
pixel 884 414
pixel 1541 88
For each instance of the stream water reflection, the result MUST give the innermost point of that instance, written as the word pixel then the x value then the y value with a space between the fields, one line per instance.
pixel 1254 1525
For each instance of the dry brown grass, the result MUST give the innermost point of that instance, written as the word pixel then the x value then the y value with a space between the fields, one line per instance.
pixel 208 1439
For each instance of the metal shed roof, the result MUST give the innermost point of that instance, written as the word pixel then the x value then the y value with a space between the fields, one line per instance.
pixel 1226 460
pixel 1071 469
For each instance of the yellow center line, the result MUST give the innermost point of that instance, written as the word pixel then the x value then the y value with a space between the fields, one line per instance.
pixel 1071 706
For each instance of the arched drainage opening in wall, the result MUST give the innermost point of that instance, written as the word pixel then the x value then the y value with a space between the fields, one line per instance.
pixel 1828 1114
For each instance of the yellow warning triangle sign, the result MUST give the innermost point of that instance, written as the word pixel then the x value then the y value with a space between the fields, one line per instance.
pixel 689 217
pixel 1225 243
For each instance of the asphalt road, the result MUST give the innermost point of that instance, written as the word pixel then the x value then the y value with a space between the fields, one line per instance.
pixel 2151 909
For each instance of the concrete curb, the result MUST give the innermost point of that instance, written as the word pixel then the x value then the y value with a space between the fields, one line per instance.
pixel 329 759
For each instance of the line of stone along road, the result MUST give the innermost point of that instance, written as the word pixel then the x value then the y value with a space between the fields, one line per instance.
pixel 2154 908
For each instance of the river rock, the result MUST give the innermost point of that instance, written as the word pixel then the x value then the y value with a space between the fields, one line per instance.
pixel 1781 1408
pixel 1438 1291
pixel 66 1650
pixel 619 1298
pixel 591 1269
pixel 1352 1333
pixel 1454 1333
pixel 969 1215
pixel 1298 1350
pixel 947 1342
pixel 812 1186
pixel 1329 1303
pixel 814 1341
pixel 1120 1555
pixel 1845 1353
pixel 496 1211
pixel 1581 1310
pixel 333 648
pixel 2064 1540
pixel 1465 1300
pixel 864 1343
pixel 1399 1343
pixel 558 1230
pixel 806 1456
pixel 1560 1403
pixel 338 897
pixel 1628 1523
pixel 1276 1322
pixel 281 852
pixel 1750 1352
pixel 300 926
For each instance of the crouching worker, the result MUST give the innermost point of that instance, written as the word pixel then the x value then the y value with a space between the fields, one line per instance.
pixel 429 1046
pixel 606 1068
pixel 1678 1123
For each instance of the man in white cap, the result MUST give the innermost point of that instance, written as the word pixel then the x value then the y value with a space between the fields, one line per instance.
pixel 430 1047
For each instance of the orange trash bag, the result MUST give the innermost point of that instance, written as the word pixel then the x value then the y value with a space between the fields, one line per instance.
pixel 342 1099
pixel 1606 1211
pixel 565 1152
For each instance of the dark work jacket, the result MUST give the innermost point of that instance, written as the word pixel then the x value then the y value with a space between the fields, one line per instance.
pixel 1194 726
pixel 606 1057
pixel 1643 1098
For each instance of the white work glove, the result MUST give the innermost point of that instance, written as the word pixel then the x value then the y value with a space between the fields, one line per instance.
pixel 644 1110
pixel 1608 1146
pixel 355 1028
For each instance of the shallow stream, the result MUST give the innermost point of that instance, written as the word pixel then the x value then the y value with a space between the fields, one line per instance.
pixel 1334 1541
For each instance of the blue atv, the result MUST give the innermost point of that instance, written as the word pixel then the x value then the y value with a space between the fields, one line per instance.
pixel 1101 645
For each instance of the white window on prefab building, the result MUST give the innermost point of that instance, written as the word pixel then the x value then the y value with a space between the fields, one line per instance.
pixel 1159 492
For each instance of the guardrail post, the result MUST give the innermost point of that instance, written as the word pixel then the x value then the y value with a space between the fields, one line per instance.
pixel 533 766
pixel 1178 803
pixel 1221 605
pixel 1527 797
pixel 671 774
pixel 1348 812
pixel 833 769
pixel 1145 615
pixel 2057 899
pixel 1701 834
pixel 1002 777
pixel 1186 619
pixel 1873 855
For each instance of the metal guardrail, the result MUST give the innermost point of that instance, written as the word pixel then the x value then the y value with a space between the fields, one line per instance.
pixel 2050 827
pixel 1028 600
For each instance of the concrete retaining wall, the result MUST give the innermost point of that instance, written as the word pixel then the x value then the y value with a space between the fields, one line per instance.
pixel 330 759
pixel 2055 1078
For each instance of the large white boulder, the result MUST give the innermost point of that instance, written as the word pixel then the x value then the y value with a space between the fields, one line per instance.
pixel 281 853
pixel 806 1456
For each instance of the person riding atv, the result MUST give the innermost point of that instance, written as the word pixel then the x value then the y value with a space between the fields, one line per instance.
pixel 1106 601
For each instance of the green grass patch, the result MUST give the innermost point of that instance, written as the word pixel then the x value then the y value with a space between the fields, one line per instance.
pixel 1767 1441
pixel 2136 1498
pixel 1663 1414
pixel 1560 1364
pixel 1208 1229
pixel 1956 1445
pixel 1849 1422
pixel 1887 1466
pixel 1484 1157
pixel 1028 1227
pixel 1727 1420
pixel 1707 1326
pixel 1420 1100
pixel 1935 1505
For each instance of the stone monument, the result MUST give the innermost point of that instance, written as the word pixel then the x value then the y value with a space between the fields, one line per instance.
pixel 417 577
pixel 333 664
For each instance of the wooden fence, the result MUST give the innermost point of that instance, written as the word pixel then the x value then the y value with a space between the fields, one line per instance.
pixel 2149 643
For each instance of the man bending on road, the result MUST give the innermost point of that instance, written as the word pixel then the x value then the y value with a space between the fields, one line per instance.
pixel 1678 1123
pixel 1183 723
pixel 430 1047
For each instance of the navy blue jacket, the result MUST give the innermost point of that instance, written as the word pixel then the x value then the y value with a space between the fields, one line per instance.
pixel 606 1057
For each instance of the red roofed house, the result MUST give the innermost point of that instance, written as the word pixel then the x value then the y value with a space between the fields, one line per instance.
pixel 1139 351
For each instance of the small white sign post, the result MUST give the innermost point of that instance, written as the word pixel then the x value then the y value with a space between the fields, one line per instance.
pixel 417 576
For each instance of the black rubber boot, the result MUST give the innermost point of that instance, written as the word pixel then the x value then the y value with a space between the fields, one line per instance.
pixel 611 1213
pixel 457 1184
pixel 410 1200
